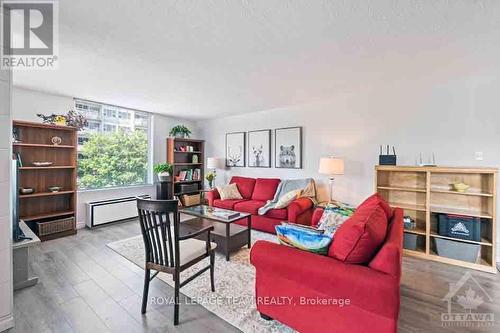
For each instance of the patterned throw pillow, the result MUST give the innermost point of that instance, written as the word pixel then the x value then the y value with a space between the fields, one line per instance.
pixel 303 238
pixel 286 199
pixel 334 215
pixel 229 192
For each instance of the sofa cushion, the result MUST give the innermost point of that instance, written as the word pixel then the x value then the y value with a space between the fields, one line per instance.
pixel 229 192
pixel 265 188
pixel 358 239
pixel 377 198
pixel 227 204
pixel 249 206
pixel 245 185
pixel 303 237
pixel 334 214
pixel 281 214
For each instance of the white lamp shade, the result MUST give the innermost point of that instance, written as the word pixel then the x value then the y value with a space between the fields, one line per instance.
pixel 331 166
pixel 214 163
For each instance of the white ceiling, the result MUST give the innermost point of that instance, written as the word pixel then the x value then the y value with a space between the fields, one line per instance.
pixel 208 58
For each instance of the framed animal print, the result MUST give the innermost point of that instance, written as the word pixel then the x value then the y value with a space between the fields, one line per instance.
pixel 235 149
pixel 259 149
pixel 288 147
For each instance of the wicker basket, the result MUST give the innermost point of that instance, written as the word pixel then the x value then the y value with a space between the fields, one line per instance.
pixel 191 200
pixel 55 226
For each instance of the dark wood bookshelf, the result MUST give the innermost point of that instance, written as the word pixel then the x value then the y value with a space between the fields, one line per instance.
pixel 183 161
pixel 49 214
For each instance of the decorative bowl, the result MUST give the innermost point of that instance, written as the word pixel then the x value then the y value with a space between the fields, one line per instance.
pixel 42 164
pixel 26 190
pixel 56 140
pixel 460 187
pixel 54 188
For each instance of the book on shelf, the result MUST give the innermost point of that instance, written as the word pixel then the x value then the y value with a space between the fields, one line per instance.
pixel 196 174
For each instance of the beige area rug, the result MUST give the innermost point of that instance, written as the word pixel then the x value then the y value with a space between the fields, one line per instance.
pixel 233 299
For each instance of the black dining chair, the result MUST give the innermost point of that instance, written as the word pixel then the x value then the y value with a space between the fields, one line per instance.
pixel 169 252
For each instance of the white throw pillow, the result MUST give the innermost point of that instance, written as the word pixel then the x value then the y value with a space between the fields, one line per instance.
pixel 229 192
pixel 286 199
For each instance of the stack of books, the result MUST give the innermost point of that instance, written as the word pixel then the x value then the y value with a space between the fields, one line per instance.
pixel 191 174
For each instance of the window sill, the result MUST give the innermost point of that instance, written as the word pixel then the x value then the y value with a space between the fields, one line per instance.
pixel 115 188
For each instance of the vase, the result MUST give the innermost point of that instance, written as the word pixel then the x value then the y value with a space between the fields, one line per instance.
pixel 163 176
pixel 180 135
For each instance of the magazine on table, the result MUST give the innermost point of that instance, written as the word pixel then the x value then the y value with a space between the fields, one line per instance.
pixel 225 214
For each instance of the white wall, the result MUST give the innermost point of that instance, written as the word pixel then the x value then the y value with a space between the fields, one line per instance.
pixel 453 118
pixel 6 289
pixel 27 103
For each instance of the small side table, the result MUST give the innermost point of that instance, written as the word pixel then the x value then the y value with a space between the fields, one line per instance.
pixel 20 258
pixel 164 190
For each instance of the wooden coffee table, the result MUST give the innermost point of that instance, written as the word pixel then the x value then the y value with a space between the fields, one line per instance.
pixel 228 235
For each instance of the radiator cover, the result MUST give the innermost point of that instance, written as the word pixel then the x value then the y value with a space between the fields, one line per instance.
pixel 107 211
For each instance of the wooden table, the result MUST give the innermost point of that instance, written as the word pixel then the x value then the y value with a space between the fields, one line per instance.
pixel 228 235
pixel 20 258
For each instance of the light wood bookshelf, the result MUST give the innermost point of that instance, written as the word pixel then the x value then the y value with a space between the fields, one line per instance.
pixel 44 208
pixel 423 192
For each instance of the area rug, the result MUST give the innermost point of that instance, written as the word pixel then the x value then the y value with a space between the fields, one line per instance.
pixel 233 299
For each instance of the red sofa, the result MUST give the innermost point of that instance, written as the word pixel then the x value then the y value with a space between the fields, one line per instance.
pixel 288 281
pixel 255 193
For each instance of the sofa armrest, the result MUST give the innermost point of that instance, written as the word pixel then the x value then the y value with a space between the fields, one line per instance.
pixel 298 207
pixel 366 288
pixel 211 196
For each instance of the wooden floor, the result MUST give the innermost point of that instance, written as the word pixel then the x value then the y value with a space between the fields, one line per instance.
pixel 86 287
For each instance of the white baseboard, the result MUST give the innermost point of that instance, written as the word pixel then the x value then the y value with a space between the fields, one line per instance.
pixel 6 322
pixel 80 225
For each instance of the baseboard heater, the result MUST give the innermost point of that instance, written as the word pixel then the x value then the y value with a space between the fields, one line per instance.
pixel 112 210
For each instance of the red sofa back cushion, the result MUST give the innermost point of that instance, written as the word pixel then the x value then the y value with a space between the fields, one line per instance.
pixel 377 198
pixel 358 239
pixel 265 188
pixel 245 185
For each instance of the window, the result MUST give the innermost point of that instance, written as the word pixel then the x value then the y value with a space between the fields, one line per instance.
pixel 114 148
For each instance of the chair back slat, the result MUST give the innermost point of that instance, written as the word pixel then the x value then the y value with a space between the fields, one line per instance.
pixel 152 235
pixel 159 235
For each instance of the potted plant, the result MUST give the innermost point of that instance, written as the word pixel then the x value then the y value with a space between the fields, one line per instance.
pixel 180 131
pixel 163 170
pixel 210 177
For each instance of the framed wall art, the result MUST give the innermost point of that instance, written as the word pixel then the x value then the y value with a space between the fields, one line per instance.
pixel 259 149
pixel 235 149
pixel 288 147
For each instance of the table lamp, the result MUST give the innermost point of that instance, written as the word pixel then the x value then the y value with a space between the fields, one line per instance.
pixel 331 166
pixel 214 163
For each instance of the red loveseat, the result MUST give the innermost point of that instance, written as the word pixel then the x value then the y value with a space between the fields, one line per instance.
pixel 297 287
pixel 255 193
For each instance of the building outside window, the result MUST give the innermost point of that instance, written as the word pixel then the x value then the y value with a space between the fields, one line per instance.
pixel 114 148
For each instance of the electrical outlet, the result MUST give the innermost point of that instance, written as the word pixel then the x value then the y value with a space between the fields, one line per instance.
pixel 479 155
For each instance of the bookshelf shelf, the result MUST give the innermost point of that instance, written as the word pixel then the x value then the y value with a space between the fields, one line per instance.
pixel 45 194
pixel 39 145
pixel 424 192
